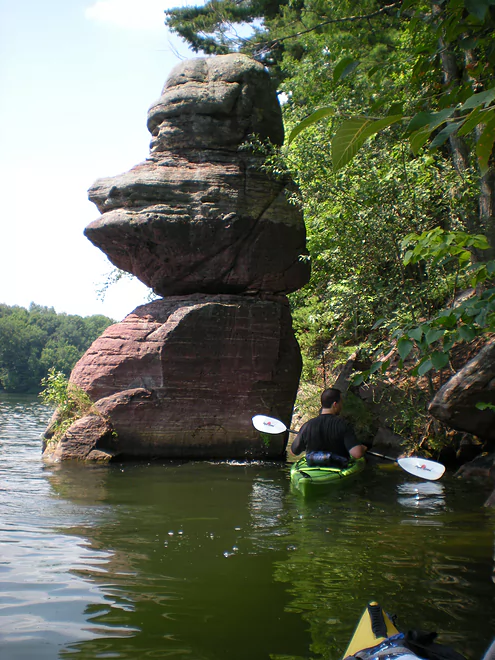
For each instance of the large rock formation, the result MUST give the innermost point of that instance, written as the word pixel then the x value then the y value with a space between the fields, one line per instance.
pixel 204 223
pixel 455 403
pixel 182 377
pixel 201 214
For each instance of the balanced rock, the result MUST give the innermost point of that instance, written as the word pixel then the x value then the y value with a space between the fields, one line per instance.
pixel 455 403
pixel 182 378
pixel 203 213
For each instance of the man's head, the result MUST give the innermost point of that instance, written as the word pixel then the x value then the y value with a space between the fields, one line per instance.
pixel 331 399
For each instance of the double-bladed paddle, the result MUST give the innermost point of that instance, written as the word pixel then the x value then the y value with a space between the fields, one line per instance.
pixel 419 467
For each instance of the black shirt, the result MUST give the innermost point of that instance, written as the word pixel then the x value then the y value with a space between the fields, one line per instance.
pixel 328 433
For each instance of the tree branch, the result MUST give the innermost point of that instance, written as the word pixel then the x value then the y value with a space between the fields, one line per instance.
pixel 346 19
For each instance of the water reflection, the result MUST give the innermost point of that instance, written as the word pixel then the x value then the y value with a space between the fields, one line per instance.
pixel 426 495
pixel 191 559
pixel 43 601
pixel 359 545
pixel 221 560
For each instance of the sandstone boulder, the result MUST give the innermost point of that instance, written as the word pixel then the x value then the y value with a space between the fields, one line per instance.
pixel 182 377
pixel 215 102
pixel 202 213
pixel 90 438
pixel 455 403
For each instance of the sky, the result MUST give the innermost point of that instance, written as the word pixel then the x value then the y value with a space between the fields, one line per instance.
pixel 76 80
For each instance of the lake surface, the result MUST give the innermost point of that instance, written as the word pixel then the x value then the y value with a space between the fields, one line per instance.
pixel 216 561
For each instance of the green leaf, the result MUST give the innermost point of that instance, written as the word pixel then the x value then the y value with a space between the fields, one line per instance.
pixel 431 119
pixel 483 405
pixel 416 333
pixel 449 340
pixel 444 134
pixel 480 276
pixel 446 320
pixel 477 116
pixel 477 8
pixel 485 145
pixel 424 367
pixel 418 139
pixel 481 318
pixel 453 28
pixel 343 68
pixel 358 379
pixel 466 332
pixel 321 113
pixel 407 240
pixel 478 241
pixel 468 43
pixel 408 256
pixel 420 120
pixel 406 4
pixel 376 366
pixel 396 109
pixel 481 98
pixel 352 134
pixel 404 346
pixel 439 359
pixel 434 335
pixel 378 323
pixel 414 20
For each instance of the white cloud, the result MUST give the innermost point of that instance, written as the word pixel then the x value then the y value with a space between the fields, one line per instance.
pixel 130 14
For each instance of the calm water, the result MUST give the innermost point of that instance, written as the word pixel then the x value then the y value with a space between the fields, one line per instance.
pixel 219 561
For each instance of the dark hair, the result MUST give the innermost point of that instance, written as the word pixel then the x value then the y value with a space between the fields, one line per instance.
pixel 330 396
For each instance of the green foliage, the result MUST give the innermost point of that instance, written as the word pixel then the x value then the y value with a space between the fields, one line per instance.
pixel 458 108
pixel 361 417
pixel 483 405
pixel 439 247
pixel 71 402
pixel 355 225
pixel 461 321
pixel 34 340
pixel 308 400
pixel 266 439
pixel 390 115
pixel 431 341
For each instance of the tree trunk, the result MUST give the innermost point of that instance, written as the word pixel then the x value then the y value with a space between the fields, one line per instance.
pixel 487 211
pixel 452 76
pixel 485 223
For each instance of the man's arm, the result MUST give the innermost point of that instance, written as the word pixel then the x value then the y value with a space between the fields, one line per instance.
pixel 354 447
pixel 358 451
pixel 299 443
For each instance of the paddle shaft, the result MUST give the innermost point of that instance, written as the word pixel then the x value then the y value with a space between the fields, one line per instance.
pixel 389 458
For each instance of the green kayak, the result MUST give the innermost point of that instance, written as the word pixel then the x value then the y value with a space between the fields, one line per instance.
pixel 314 479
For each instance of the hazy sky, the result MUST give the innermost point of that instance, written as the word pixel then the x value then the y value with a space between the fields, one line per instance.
pixel 76 80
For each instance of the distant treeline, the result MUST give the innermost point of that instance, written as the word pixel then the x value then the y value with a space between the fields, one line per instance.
pixel 34 340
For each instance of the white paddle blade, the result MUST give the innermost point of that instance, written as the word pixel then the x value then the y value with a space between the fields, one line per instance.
pixel 422 468
pixel 268 424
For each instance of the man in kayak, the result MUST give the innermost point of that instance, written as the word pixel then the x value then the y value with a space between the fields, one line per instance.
pixel 328 440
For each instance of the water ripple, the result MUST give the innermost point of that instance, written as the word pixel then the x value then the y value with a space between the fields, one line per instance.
pixel 214 560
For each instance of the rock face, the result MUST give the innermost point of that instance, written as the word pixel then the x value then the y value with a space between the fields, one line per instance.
pixel 90 438
pixel 182 377
pixel 204 224
pixel 480 468
pixel 201 214
pixel 455 403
